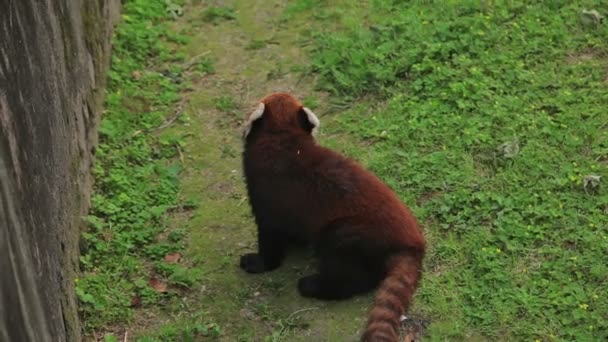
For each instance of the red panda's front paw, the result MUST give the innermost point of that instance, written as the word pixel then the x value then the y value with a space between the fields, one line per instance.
pixel 253 263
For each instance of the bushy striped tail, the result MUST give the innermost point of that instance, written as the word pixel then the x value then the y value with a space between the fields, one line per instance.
pixel 393 298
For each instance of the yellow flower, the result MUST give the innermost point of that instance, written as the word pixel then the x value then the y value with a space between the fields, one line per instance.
pixel 583 306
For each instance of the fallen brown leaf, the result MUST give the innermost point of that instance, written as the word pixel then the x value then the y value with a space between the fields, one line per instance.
pixel 410 337
pixel 135 301
pixel 158 284
pixel 172 258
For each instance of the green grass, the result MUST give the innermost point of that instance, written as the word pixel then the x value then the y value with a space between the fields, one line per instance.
pixel 225 104
pixel 205 66
pixel 217 14
pixel 136 177
pixel 189 332
pixel 486 117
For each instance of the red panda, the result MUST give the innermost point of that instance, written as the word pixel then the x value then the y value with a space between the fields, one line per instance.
pixel 364 236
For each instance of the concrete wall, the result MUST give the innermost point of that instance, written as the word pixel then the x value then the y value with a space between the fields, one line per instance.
pixel 53 58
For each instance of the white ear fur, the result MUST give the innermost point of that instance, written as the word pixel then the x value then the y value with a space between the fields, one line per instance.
pixel 312 118
pixel 257 113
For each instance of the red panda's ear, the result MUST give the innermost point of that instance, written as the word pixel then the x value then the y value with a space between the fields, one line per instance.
pixel 310 122
pixel 255 115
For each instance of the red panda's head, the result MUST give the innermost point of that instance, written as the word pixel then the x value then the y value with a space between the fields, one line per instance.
pixel 281 112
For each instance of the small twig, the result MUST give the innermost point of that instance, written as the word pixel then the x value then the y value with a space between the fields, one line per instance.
pixel 293 314
pixel 181 155
pixel 194 59
pixel 126 336
pixel 299 311
pixel 242 201
pixel 176 114
pixel 214 269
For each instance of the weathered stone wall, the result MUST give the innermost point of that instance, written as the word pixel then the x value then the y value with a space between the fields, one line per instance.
pixel 53 58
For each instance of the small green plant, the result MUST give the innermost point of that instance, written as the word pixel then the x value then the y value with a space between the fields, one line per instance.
pixel 225 104
pixel 177 274
pixel 110 338
pixel 256 44
pixel 189 332
pixel 295 8
pixel 206 65
pixel 217 14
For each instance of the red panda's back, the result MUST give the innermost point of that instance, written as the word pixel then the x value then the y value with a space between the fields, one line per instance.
pixel 364 196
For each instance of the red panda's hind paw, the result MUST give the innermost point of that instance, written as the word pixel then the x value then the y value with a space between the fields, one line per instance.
pixel 309 286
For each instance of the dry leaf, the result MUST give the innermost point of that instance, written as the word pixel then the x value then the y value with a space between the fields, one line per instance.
pixel 135 301
pixel 591 17
pixel 107 235
pixel 509 150
pixel 410 337
pixel 158 285
pixel 591 182
pixel 172 258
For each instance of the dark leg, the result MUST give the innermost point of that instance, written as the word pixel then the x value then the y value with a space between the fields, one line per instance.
pixel 339 277
pixel 271 251
pixel 349 264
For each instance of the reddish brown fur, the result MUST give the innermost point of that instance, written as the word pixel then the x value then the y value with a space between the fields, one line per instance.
pixel 364 234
